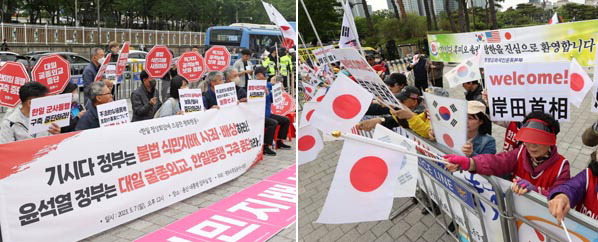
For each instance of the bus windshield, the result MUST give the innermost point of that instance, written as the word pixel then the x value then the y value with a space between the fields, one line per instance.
pixel 227 37
pixel 258 42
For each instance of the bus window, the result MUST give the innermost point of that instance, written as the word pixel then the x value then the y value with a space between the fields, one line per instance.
pixel 225 37
pixel 258 43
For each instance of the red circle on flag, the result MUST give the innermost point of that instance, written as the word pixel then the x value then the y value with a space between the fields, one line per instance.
pixel 320 98
pixel 576 82
pixel 462 71
pixel 448 140
pixel 368 173
pixel 306 142
pixel 508 35
pixel 308 115
pixel 346 106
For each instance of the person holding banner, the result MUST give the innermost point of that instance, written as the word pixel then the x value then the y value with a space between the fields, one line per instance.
pixel 172 106
pixel 396 82
pixel 77 110
pixel 114 47
pixel 144 99
pixel 420 66
pixel 91 70
pixel 15 127
pixel 214 78
pixel 232 75
pixel 272 120
pixel 99 94
pixel 580 192
pixel 536 165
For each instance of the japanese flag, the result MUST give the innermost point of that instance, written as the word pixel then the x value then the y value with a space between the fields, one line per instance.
pixel 554 19
pixel 343 106
pixel 579 82
pixel 309 89
pixel 364 182
pixel 309 144
pixel 466 71
pixel 309 108
pixel 319 96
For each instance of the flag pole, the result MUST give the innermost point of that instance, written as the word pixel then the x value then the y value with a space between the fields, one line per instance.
pixel 354 30
pixel 383 144
pixel 312 23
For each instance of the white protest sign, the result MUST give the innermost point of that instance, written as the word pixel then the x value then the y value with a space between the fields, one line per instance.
pixel 449 120
pixel 119 174
pixel 364 74
pixel 191 100
pixel 277 94
pixel 226 94
pixel 256 90
pixel 110 73
pixel 320 54
pixel 408 174
pixel 514 90
pixel 113 113
pixel 47 110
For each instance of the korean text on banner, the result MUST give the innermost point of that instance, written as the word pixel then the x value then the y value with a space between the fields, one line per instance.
pixel 226 94
pixel 256 90
pixel 514 90
pixel 135 169
pixel 364 74
pixel 191 100
pixel 47 110
pixel 113 113
pixel 277 94
pixel 557 42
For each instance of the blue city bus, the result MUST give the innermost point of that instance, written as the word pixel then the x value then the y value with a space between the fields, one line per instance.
pixel 239 36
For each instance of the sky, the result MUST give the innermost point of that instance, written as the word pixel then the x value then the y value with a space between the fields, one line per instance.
pixel 381 4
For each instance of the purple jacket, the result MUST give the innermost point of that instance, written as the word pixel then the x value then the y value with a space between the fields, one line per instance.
pixel 574 188
pixel 506 162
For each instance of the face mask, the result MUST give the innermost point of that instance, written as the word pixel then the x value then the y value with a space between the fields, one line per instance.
pixel 76 97
pixel 377 60
pixel 101 60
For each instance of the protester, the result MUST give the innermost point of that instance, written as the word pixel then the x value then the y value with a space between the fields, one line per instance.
pixel 380 69
pixel 419 66
pixel 99 94
pixel 272 120
pixel 244 68
pixel 590 135
pixel 114 47
pixel 396 82
pixel 15 127
pixel 172 105
pixel 473 91
pixel 214 78
pixel 144 99
pixel 195 48
pixel 77 110
pixel 286 66
pixel 271 62
pixel 436 73
pixel 165 80
pixel 4 46
pixel 91 70
pixel 479 130
pixel 232 75
pixel 580 192
pixel 536 164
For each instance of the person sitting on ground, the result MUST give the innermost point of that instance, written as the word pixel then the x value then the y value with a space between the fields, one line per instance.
pixel 99 94
pixel 172 105
pixel 536 164
pixel 272 120
pixel 15 127
pixel 232 75
pixel 479 128
pixel 214 78
pixel 144 99
pixel 77 110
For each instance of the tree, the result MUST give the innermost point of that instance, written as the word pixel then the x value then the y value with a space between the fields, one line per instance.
pixel 364 4
pixel 427 11
pixel 463 16
pixel 327 20
pixel 447 10
pixel 402 8
pixel 492 14
pixel 394 7
pixel 433 15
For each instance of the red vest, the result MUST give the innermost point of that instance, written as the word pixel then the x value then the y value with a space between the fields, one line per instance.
pixel 546 178
pixel 510 142
pixel 589 205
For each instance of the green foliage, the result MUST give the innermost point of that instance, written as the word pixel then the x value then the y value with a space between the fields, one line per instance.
pixel 325 18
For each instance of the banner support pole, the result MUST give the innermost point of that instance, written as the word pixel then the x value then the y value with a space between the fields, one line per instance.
pixel 312 23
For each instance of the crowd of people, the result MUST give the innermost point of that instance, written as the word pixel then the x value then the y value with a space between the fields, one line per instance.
pixel 148 103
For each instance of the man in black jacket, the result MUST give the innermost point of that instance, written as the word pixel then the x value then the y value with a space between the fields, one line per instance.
pixel 144 99
pixel 473 91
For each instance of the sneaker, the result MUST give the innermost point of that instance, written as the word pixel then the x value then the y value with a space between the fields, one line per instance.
pixel 283 146
pixel 268 151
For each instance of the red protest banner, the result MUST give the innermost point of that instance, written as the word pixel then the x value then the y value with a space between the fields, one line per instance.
pixel 52 71
pixel 122 59
pixel 12 76
pixel 157 61
pixel 217 58
pixel 102 69
pixel 288 105
pixel 191 66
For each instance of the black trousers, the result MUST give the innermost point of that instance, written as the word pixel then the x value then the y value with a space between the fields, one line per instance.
pixel 271 123
pixel 421 84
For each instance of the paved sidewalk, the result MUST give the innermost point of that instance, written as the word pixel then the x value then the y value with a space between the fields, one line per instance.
pixel 156 220
pixel 410 225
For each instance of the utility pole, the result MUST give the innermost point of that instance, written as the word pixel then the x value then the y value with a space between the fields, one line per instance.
pixel 76 13
pixel 98 18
